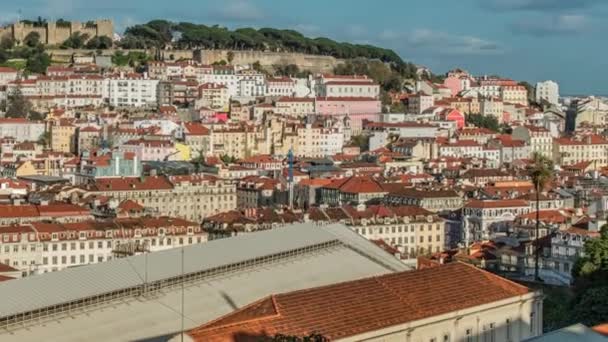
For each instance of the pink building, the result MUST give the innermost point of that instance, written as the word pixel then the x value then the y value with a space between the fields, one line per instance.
pixel 451 114
pixel 156 150
pixel 357 109
pixel 454 84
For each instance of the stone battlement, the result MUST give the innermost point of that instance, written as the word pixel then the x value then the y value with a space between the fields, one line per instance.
pixel 53 34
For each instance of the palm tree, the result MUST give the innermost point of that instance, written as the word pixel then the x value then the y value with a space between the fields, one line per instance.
pixel 540 172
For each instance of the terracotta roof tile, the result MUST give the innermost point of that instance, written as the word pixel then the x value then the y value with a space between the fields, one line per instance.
pixel 351 308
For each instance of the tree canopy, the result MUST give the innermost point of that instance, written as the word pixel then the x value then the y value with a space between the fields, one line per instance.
pixel 158 33
pixel 483 121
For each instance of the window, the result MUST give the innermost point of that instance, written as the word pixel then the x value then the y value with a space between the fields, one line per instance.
pixel 532 322
pixel 508 329
pixel 489 333
pixel 446 337
pixel 468 336
pixel 64 246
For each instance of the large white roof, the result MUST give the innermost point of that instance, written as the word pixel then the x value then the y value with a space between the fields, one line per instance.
pixel 349 257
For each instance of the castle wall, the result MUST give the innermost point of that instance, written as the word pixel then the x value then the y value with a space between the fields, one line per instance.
pixel 51 34
pixel 313 63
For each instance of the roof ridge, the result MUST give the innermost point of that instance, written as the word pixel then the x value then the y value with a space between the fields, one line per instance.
pixel 209 326
pixel 491 276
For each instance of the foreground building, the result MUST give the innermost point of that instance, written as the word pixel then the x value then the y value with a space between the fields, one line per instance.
pixel 141 294
pixel 407 306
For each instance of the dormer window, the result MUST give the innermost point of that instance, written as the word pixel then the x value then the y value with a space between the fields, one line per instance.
pixel 109 234
pixel 54 236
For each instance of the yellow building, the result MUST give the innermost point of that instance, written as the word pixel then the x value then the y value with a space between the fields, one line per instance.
pixel 63 137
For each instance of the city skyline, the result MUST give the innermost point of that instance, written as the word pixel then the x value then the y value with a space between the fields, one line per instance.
pixel 521 39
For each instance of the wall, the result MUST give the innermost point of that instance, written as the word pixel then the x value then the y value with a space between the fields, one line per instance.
pixel 313 63
pixel 52 34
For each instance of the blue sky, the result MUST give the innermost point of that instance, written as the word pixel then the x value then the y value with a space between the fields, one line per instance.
pixel 523 39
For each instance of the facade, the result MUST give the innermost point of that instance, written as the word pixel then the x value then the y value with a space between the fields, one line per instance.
pixel 346 86
pixel 539 139
pixel 319 140
pixel 432 200
pixel 21 129
pixel 419 103
pixel 410 229
pixel 88 138
pixel 132 90
pixel 484 219
pixel 213 96
pixel 587 148
pixel 548 91
pixel 296 106
pixel 351 190
pixel 63 137
pixel 514 94
pixel 284 86
pixel 197 137
pixel 191 197
pixel 42 247
pixel 8 75
pixel 151 150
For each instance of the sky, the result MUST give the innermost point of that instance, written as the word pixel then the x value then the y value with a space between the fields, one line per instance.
pixel 530 40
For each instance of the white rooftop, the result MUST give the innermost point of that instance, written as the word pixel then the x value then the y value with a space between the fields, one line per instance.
pixel 343 256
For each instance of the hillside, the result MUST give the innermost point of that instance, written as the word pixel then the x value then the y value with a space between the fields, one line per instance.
pixel 160 33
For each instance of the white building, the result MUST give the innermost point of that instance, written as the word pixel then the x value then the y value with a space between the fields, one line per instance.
pixel 130 90
pixel 484 219
pixel 41 247
pixel 7 75
pixel 547 90
pixel 317 141
pixel 283 86
pixel 21 129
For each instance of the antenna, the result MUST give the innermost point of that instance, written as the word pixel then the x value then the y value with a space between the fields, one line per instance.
pixel 182 318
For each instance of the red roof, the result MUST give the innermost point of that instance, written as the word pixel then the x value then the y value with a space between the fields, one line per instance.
pixel 194 128
pixel 358 184
pixel 601 329
pixel 132 184
pixel 28 210
pixel 351 308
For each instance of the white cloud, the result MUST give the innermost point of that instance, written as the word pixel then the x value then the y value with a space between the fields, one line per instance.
pixel 441 42
pixel 554 25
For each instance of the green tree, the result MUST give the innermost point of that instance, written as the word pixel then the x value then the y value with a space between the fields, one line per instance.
pixel 17 105
pixel 483 121
pixel 7 43
pixel 45 139
pixel 541 172
pixel 76 41
pixel 100 42
pixel 230 57
pixel 361 140
pixel 37 63
pixel 590 272
pixel 32 39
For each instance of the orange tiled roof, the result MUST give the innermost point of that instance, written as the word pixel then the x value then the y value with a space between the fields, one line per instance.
pixel 351 308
